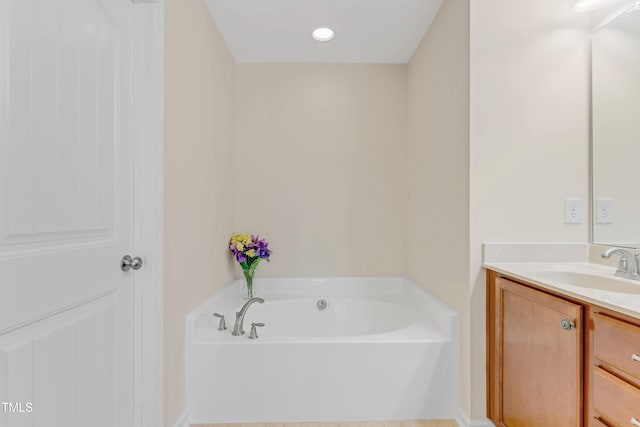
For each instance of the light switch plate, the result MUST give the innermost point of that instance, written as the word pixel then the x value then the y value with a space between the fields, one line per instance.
pixel 604 211
pixel 573 211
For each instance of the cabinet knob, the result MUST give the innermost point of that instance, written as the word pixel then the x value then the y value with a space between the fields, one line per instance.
pixel 635 422
pixel 567 324
pixel 635 357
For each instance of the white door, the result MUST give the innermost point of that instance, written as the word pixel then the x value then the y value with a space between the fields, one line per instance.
pixel 66 213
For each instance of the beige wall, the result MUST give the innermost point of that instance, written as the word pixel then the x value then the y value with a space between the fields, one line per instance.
pixel 529 136
pixel 438 166
pixel 510 147
pixel 375 169
pixel 199 87
pixel 321 166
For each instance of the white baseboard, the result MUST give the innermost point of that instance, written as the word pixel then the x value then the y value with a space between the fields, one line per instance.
pixel 464 421
pixel 182 421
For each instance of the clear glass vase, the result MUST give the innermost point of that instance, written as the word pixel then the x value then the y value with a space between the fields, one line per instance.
pixel 248 290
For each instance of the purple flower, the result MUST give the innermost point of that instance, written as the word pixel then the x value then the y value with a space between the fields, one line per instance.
pixel 248 249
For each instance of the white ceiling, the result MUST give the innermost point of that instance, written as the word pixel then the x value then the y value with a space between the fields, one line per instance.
pixel 367 31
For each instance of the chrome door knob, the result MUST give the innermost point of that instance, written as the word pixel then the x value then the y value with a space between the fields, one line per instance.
pixel 127 263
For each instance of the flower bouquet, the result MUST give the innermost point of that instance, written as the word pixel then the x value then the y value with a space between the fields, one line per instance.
pixel 249 250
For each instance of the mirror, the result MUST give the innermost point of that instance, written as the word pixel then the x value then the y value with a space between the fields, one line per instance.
pixel 616 129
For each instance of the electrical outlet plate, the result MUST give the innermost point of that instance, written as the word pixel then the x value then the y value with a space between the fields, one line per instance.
pixel 573 211
pixel 604 211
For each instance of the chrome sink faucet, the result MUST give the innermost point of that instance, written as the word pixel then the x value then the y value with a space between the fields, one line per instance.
pixel 629 264
pixel 237 327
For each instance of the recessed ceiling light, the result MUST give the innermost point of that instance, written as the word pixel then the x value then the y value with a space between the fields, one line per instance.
pixel 323 34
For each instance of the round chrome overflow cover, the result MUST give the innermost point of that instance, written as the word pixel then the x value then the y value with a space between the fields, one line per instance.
pixel 322 304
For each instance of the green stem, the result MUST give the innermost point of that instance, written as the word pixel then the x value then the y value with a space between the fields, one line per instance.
pixel 248 275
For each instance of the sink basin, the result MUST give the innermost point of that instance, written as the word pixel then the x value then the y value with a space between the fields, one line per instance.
pixel 594 280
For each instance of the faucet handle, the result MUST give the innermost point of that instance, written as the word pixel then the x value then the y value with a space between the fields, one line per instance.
pixel 254 332
pixel 623 264
pixel 628 259
pixel 222 325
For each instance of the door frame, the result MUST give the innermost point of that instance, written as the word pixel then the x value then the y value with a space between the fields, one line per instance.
pixel 149 207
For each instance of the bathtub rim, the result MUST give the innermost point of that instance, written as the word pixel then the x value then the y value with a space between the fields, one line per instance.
pixel 442 315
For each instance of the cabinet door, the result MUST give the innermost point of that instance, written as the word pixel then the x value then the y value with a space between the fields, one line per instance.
pixel 535 364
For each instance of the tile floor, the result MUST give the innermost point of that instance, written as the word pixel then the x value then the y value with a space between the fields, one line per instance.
pixel 422 423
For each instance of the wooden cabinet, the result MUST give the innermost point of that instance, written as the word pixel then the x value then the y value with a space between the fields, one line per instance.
pixel 542 373
pixel 615 401
pixel 535 365
pixel 613 374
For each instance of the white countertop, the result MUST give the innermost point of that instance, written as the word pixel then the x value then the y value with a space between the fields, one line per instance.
pixel 584 281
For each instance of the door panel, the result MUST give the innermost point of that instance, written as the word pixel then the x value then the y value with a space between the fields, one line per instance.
pixel 59 170
pixel 55 365
pixel 66 211
pixel 538 362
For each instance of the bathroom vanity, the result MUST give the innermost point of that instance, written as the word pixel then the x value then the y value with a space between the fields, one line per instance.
pixel 563 346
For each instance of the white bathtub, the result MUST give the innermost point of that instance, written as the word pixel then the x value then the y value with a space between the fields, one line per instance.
pixel 383 349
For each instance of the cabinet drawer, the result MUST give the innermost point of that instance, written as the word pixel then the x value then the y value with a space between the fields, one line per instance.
pixel 597 423
pixel 615 400
pixel 617 343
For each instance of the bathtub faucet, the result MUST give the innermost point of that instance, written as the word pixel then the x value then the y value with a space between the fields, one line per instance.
pixel 237 328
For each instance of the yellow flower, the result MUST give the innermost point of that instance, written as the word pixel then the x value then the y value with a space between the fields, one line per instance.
pixel 240 241
pixel 251 252
pixel 241 238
